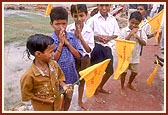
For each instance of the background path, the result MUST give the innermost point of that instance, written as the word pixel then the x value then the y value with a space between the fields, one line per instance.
pixel 149 98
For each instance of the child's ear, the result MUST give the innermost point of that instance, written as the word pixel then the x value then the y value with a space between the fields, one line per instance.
pixel 51 23
pixel 37 53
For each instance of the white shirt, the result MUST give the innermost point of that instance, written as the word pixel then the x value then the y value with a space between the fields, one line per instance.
pixel 145 26
pixel 102 26
pixel 135 57
pixel 87 34
pixel 155 7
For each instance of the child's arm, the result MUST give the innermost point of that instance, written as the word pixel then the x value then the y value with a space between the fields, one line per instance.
pixel 59 48
pixel 141 41
pixel 106 39
pixel 58 52
pixel 153 34
pixel 72 49
pixel 79 36
pixel 67 87
pixel 49 101
pixel 132 33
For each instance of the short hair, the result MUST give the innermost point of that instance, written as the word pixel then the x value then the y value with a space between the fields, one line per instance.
pixel 58 13
pixel 137 15
pixel 80 7
pixel 143 5
pixel 38 42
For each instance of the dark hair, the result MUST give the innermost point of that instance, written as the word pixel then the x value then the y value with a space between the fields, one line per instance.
pixel 80 7
pixel 143 5
pixel 38 42
pixel 58 13
pixel 137 15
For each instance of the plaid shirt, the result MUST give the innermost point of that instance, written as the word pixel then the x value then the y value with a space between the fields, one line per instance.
pixel 67 60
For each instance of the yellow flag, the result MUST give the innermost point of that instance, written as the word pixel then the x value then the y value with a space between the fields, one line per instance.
pixel 93 75
pixel 48 10
pixel 124 50
pixel 152 75
pixel 155 23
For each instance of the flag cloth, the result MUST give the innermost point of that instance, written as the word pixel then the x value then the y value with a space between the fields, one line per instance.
pixel 124 50
pixel 48 10
pixel 152 75
pixel 155 23
pixel 93 75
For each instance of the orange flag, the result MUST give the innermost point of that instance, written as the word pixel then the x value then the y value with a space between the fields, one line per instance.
pixel 48 10
pixel 152 75
pixel 93 75
pixel 155 23
pixel 124 50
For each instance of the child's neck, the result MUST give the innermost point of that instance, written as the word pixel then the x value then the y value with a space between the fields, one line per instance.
pixel 41 65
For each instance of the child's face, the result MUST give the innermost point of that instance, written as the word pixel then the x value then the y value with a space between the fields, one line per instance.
pixel 81 17
pixel 104 9
pixel 141 10
pixel 59 25
pixel 48 53
pixel 133 23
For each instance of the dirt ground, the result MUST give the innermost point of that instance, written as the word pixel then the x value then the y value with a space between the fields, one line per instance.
pixel 149 98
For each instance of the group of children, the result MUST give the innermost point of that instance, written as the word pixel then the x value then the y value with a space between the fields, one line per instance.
pixel 48 83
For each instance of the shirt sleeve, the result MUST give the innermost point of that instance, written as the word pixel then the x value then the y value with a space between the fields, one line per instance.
pixel 90 22
pixel 122 34
pixel 26 87
pixel 77 45
pixel 116 28
pixel 143 35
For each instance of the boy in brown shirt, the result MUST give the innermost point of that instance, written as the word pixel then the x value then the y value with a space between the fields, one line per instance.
pixel 40 83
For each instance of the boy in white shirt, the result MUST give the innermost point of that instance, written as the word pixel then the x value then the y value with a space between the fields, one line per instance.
pixel 86 36
pixel 133 33
pixel 105 29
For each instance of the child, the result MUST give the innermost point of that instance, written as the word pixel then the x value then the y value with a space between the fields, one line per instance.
pixel 86 36
pixel 133 33
pixel 142 8
pixel 105 29
pixel 40 83
pixel 67 48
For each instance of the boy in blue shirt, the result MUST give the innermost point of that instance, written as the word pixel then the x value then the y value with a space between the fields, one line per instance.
pixel 67 48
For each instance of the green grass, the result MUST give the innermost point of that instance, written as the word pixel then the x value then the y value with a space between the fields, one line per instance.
pixel 18 27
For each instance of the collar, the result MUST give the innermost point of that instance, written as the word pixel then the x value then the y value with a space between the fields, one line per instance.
pixel 38 71
pixel 85 29
pixel 99 15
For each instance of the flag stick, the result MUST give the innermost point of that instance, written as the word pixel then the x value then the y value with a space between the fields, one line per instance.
pixel 67 88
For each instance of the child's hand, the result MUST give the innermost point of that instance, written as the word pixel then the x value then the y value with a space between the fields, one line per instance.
pixel 78 31
pixel 100 38
pixel 68 88
pixel 105 39
pixel 153 33
pixel 134 31
pixel 62 36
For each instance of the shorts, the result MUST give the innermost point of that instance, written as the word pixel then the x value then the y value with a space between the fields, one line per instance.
pixel 101 53
pixel 83 63
pixel 133 67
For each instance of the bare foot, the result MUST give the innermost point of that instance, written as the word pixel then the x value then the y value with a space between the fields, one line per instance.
pixel 104 91
pixel 99 100
pixel 123 92
pixel 132 88
pixel 83 106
